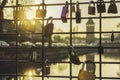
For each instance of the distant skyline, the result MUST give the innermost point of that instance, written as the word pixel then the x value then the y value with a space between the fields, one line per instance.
pixel 55 11
pixel 108 24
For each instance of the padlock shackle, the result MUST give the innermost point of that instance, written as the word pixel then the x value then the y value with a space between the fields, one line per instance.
pixel 91 2
pixel 46 62
pixel 100 2
pixel 77 5
pixel 112 2
pixel 42 4
pixel 73 49
pixel 89 61
pixel 50 18
pixel 66 4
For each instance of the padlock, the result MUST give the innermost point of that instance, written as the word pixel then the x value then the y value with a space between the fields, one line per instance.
pixel 38 70
pixel 41 13
pixel 65 12
pixel 1 14
pixel 78 13
pixel 48 29
pixel 112 8
pixel 101 8
pixel 74 57
pixel 91 8
pixel 73 8
pixel 46 68
pixel 100 50
pixel 45 10
pixel 112 36
pixel 87 75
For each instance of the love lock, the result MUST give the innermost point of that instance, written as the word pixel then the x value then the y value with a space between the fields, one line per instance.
pixel 46 68
pixel 91 8
pixel 78 13
pixel 48 29
pixel 73 8
pixel 74 57
pixel 64 14
pixel 101 6
pixel 112 7
pixel 87 75
pixel 41 13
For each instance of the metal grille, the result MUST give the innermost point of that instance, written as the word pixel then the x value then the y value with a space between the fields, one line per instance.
pixel 17 60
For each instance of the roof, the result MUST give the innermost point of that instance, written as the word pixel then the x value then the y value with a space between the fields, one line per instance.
pixel 90 21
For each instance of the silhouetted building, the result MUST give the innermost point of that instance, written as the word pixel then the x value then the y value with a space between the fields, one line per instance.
pixel 90 27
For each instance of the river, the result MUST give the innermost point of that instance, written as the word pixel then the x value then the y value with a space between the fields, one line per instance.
pixel 63 69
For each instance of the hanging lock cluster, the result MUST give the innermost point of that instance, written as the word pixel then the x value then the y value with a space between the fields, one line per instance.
pixel 87 75
pixel 101 7
pixel 65 12
pixel 41 12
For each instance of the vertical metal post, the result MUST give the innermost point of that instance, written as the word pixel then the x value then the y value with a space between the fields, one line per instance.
pixel 16 25
pixel 70 38
pixel 43 56
pixel 100 43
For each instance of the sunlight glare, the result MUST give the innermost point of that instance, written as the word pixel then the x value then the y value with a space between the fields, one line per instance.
pixel 37 1
pixel 29 73
pixel 30 14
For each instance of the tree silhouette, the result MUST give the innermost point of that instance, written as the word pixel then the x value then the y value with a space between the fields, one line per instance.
pixel 118 25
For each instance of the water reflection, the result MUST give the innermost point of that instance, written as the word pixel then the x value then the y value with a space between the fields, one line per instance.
pixel 108 70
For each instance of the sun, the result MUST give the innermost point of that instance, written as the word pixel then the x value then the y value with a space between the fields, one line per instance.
pixel 37 1
pixel 30 14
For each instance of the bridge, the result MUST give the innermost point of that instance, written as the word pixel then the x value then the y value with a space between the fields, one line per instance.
pixel 25 55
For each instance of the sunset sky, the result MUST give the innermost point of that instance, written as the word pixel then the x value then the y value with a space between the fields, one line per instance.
pixel 55 11
pixel 108 24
